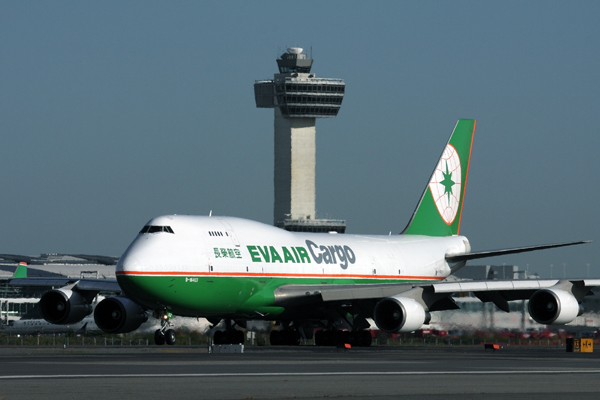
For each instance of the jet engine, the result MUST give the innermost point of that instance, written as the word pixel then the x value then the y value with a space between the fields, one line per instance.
pixel 64 306
pixel 554 306
pixel 400 314
pixel 119 315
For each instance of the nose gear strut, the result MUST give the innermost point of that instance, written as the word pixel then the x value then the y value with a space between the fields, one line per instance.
pixel 165 334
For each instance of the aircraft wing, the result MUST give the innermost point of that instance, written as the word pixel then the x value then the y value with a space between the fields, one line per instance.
pixel 452 258
pixel 89 285
pixel 501 292
pixel 507 285
pixel 303 294
pixel 104 260
pixel 433 296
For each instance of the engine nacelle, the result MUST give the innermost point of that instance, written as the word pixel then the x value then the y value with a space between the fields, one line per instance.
pixel 119 315
pixel 64 306
pixel 400 314
pixel 553 306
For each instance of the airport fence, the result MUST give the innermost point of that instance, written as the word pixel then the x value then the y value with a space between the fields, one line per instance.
pixel 427 342
pixel 185 338
pixel 63 340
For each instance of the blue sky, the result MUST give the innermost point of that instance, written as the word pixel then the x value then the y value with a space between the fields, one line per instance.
pixel 112 113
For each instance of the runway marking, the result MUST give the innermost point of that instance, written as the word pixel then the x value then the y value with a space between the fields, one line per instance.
pixel 297 374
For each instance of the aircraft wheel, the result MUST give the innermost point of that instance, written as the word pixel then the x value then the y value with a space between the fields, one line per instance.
pixel 170 337
pixel 319 338
pixel 344 337
pixel 275 338
pixel 159 337
pixel 218 337
pixel 291 338
pixel 240 337
pixel 367 339
pixel 337 338
pixel 329 338
pixel 231 336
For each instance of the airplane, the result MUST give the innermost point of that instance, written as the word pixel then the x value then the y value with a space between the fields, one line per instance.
pixel 232 270
pixel 41 326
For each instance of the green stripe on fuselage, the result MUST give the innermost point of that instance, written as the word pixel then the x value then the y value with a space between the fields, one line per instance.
pixel 205 296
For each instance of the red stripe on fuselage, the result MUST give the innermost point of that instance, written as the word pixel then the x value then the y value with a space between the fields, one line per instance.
pixel 273 275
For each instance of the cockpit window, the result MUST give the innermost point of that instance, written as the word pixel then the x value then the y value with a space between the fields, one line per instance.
pixel 156 229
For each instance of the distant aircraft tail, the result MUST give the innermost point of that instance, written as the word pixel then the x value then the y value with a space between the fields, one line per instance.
pixel 439 210
pixel 21 271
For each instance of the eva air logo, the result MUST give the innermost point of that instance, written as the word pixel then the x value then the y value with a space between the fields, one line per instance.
pixel 445 184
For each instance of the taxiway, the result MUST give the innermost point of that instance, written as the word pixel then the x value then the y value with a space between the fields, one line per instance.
pixel 464 372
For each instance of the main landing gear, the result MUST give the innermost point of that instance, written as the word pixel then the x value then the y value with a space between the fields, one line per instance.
pixel 229 336
pixel 286 337
pixel 165 334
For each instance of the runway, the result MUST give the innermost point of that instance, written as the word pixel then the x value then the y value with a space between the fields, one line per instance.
pixel 297 373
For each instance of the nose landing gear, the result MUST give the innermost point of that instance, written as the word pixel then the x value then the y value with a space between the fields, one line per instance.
pixel 165 334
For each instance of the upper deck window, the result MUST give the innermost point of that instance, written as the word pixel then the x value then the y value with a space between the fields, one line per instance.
pixel 156 229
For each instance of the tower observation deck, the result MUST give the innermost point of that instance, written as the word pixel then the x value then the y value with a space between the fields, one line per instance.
pixel 298 97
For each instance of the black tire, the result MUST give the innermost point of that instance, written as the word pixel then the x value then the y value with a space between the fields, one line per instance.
pixel 231 336
pixel 344 337
pixel 170 337
pixel 240 337
pixel 218 337
pixel 329 338
pixel 159 338
pixel 290 338
pixel 275 338
pixel 319 338
pixel 337 338
pixel 367 339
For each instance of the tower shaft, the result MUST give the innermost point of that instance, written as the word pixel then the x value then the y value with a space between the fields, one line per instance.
pixel 294 174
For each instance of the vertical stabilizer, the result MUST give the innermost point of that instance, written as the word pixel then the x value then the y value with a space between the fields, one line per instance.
pixel 440 208
pixel 21 271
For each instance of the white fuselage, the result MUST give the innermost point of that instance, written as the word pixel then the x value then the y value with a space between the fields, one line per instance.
pixel 220 246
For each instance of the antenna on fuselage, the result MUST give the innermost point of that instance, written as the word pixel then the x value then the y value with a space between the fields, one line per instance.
pixel 210 213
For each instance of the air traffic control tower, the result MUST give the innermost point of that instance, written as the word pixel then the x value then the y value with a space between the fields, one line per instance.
pixel 298 98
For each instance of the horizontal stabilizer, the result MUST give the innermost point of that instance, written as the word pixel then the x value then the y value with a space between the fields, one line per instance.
pixel 494 253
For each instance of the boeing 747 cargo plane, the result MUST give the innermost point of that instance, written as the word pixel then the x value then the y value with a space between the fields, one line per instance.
pixel 233 269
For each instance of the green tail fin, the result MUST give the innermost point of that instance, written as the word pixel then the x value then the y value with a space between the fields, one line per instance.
pixel 21 271
pixel 439 211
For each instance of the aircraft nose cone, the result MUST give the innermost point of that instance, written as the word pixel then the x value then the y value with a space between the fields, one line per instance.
pixel 128 262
